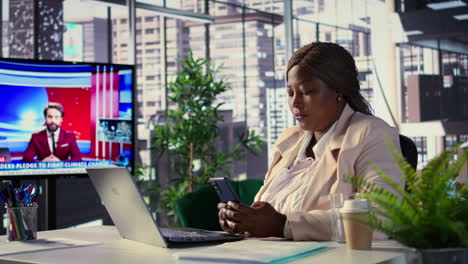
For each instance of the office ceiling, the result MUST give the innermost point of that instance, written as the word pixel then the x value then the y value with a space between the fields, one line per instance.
pixel 435 24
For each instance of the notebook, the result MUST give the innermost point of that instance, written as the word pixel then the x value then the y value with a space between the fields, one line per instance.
pixel 132 218
pixel 273 251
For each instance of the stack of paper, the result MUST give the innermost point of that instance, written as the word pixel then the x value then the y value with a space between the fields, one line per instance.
pixel 253 251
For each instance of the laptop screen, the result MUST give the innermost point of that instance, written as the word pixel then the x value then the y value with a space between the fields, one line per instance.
pixel 125 205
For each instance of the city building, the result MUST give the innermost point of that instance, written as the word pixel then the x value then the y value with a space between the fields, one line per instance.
pixel 86 40
pixel 5 47
pixel 249 76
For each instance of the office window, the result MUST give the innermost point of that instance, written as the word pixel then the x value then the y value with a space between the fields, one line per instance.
pixel 450 140
pixel 149 19
pixel 463 138
pixel 421 146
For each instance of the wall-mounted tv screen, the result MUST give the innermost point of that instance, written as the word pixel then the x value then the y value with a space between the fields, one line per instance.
pixel 62 117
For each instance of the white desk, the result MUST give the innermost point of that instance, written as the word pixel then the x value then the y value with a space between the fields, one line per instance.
pixel 108 247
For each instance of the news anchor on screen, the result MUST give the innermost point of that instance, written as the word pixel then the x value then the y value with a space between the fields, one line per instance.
pixel 53 143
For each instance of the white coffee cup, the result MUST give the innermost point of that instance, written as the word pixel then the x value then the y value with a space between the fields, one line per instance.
pixel 358 236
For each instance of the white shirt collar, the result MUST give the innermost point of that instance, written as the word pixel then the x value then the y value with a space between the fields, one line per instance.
pixel 56 132
pixel 318 148
pixel 321 145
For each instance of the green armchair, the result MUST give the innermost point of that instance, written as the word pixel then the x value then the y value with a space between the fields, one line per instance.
pixel 197 209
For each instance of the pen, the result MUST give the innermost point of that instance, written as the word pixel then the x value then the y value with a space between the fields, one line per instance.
pixel 14 225
pixel 17 215
pixel 6 194
pixel 5 201
pixel 11 193
pixel 13 198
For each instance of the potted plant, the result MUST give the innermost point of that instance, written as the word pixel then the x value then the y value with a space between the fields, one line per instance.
pixel 431 216
pixel 191 128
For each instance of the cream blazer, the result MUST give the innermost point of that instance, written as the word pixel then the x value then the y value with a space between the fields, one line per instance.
pixel 357 139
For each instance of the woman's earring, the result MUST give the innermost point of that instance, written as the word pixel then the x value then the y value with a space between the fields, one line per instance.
pixel 338 99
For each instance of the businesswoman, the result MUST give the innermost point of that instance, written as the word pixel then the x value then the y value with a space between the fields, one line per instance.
pixel 336 135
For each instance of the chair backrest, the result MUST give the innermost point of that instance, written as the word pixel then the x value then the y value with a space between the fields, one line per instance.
pixel 409 150
pixel 198 209
pixel 247 189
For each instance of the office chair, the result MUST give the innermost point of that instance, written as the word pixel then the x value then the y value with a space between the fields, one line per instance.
pixel 409 151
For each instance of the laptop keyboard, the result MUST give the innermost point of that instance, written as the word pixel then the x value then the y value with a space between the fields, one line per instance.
pixel 174 233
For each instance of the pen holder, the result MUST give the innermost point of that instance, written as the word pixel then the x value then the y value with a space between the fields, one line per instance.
pixel 22 223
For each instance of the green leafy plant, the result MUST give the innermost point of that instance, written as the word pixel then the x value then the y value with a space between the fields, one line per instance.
pixel 432 213
pixel 191 129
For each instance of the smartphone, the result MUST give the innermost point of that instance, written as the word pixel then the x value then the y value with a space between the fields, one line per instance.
pixel 224 189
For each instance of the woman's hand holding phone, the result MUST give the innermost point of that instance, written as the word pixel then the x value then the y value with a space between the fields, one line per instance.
pixel 258 220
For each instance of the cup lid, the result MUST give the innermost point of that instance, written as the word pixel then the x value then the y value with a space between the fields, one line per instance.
pixel 355 206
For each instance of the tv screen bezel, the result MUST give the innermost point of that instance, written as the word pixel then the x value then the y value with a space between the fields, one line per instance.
pixel 41 172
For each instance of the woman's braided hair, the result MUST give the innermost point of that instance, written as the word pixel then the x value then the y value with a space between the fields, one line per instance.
pixel 335 66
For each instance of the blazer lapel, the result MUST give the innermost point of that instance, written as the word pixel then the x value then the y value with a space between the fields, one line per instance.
pixel 341 126
pixel 323 176
pixel 61 140
pixel 44 141
pixel 325 172
pixel 285 153
pixel 288 150
pixel 335 145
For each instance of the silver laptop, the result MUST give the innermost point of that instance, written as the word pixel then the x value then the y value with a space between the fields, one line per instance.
pixel 132 218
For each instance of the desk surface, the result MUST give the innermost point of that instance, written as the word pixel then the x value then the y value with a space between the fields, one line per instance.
pixel 102 244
